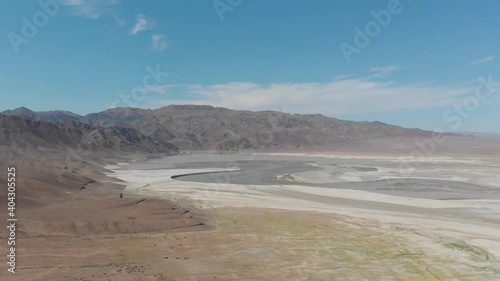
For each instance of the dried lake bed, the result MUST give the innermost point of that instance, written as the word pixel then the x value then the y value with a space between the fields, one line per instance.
pixel 444 207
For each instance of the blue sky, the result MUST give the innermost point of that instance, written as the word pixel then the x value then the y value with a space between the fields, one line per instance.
pixel 420 68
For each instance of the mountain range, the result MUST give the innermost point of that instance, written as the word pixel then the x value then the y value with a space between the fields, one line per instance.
pixel 22 131
pixel 192 127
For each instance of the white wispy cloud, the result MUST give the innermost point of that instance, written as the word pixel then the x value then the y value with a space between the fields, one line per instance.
pixel 486 59
pixel 160 89
pixel 384 70
pixel 158 43
pixel 91 9
pixel 141 24
pixel 119 20
pixel 341 96
pixel 71 2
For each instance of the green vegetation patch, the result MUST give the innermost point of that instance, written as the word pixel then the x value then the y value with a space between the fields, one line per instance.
pixel 476 253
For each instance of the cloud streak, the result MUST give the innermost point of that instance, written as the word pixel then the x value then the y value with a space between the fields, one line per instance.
pixel 485 60
pixel 91 9
pixel 344 96
pixel 119 20
pixel 158 43
pixel 141 24
pixel 384 70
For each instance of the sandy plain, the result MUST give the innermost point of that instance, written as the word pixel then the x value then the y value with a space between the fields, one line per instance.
pixel 314 216
pixel 333 217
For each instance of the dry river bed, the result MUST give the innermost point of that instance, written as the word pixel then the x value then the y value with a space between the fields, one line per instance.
pixel 331 217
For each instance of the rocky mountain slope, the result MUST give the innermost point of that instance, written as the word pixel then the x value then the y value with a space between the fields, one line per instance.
pixel 207 127
pixel 22 131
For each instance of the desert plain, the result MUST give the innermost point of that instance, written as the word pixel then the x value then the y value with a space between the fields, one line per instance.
pixel 259 216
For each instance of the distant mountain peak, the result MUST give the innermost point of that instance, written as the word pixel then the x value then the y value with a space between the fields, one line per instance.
pixel 20 111
pixel 51 116
pixel 23 109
